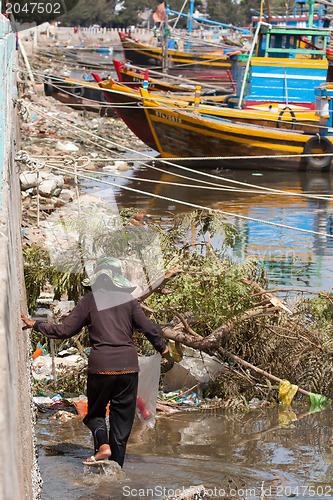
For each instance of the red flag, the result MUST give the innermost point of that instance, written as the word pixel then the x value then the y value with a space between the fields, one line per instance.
pixel 159 15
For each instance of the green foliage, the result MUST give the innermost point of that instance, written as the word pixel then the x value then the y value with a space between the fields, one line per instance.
pixel 224 12
pixel 38 272
pixel 320 308
pixel 89 12
pixel 213 293
pixel 70 381
pixel 240 13
pixel 208 291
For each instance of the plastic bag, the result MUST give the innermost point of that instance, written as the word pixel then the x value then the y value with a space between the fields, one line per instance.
pixel 149 376
pixel 175 351
pixel 317 402
pixel 287 392
pixel 41 368
pixel 40 351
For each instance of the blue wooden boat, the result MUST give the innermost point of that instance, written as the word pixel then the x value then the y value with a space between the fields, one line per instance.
pixel 284 66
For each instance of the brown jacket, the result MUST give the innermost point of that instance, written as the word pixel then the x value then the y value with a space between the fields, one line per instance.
pixel 110 330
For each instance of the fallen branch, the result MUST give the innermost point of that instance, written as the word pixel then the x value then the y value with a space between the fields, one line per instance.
pixel 198 342
pixel 159 282
pixel 244 363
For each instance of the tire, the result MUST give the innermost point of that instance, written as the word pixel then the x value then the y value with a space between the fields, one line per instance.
pixel 292 114
pixel 77 91
pixel 48 88
pixel 323 144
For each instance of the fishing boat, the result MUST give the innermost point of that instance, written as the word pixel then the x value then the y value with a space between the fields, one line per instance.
pixel 213 64
pixel 303 12
pixel 127 102
pixel 284 65
pixel 184 54
pixel 136 76
pixel 79 94
pixel 228 142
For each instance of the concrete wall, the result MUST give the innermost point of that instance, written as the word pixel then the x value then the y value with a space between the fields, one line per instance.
pixel 67 35
pixel 19 474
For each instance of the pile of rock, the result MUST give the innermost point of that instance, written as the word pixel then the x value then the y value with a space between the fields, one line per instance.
pixel 49 184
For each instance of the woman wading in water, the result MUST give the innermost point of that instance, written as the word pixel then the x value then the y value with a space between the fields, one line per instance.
pixel 111 314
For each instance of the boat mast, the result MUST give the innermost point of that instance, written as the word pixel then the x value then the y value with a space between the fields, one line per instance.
pixel 165 58
pixel 189 27
pixel 254 42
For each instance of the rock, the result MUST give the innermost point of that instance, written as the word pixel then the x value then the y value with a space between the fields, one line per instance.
pixel 28 180
pixel 57 192
pixel 59 180
pixel 109 168
pixel 47 188
pixel 67 146
pixel 51 184
pixel 25 195
pixel 90 166
pixel 66 195
pixel 120 165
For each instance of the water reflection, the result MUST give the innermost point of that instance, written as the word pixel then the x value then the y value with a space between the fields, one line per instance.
pixel 293 258
pixel 251 450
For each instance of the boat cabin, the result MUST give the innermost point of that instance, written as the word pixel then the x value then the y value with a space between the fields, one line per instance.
pixel 286 65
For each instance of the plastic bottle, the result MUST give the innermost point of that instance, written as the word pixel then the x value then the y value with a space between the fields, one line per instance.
pixel 144 412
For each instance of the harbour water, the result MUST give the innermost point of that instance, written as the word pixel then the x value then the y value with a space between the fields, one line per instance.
pixel 261 454
pixel 293 258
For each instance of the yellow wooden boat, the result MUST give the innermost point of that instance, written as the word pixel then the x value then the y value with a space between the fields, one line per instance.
pixel 128 104
pixel 222 139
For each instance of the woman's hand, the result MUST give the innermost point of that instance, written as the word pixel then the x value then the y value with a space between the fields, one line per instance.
pixel 166 354
pixel 29 322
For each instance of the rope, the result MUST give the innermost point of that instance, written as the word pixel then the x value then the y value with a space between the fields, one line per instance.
pixel 207 185
pixel 207 174
pixel 203 107
pixel 192 205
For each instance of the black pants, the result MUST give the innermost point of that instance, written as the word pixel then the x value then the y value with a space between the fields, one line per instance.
pixel 121 392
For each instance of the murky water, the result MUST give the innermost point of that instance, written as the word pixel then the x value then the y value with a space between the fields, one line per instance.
pixel 260 454
pixel 293 258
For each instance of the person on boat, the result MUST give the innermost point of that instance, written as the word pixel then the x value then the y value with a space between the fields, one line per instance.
pixel 111 314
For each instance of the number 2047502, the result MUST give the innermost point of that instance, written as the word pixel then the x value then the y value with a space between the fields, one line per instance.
pixel 33 7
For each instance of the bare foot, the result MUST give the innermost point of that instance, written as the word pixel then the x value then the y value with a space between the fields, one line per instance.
pixel 103 453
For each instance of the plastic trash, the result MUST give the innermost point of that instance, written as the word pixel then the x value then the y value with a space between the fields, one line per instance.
pixel 144 412
pixel 41 368
pixel 40 351
pixel 57 399
pixel 42 400
pixel 317 401
pixel 149 376
pixel 67 147
pixel 287 392
pixel 190 400
pixel 63 416
pixel 174 352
